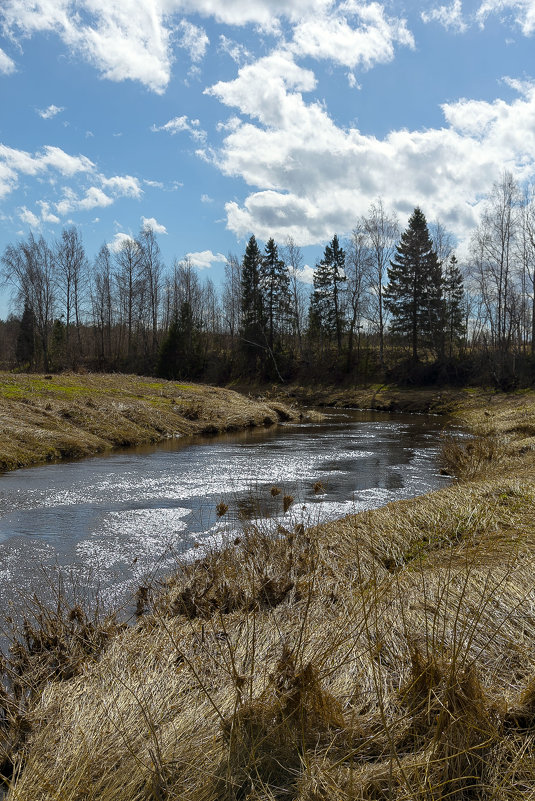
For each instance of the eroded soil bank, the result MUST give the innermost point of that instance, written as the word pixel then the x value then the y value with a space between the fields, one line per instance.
pixel 70 415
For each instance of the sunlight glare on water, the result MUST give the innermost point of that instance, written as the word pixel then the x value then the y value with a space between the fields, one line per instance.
pixel 123 517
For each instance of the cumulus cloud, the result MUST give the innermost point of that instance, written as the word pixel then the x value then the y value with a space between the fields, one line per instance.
pixel 151 222
pixel 451 17
pixel 310 178
pixel 204 259
pixel 126 39
pixel 261 89
pixel 51 111
pixel 7 65
pixel 118 241
pixel 306 275
pixel 122 185
pixel 352 35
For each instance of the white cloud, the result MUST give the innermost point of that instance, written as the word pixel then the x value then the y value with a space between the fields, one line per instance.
pixel 122 185
pixel 126 39
pixel 46 214
pixel 354 35
pixel 180 124
pixel 523 12
pixel 118 241
pixel 151 222
pixel 310 178
pixel 204 259
pixel 306 275
pixel 174 126
pixel 237 52
pixel 193 39
pixel 50 112
pixel 29 218
pixel 206 199
pixel 94 198
pixel 16 163
pixel 261 89
pixel 7 65
pixel 451 17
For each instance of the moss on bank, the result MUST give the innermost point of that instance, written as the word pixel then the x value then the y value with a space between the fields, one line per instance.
pixel 43 418
pixel 388 655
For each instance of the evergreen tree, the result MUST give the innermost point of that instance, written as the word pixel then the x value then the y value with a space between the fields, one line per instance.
pixel 180 355
pixel 414 292
pixel 25 347
pixel 326 313
pixel 252 329
pixel 275 284
pixel 454 327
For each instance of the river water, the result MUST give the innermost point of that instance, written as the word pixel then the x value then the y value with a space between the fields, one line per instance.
pixel 113 522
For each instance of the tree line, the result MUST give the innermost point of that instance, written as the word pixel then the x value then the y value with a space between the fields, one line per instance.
pixel 383 303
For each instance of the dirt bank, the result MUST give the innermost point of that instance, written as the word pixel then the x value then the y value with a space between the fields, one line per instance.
pixel 43 418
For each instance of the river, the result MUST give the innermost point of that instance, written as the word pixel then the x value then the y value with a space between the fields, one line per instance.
pixel 113 522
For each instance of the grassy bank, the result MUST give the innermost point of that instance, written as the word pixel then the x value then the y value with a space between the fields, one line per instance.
pixel 388 655
pixel 43 418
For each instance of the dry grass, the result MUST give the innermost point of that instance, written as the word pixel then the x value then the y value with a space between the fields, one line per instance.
pixel 386 656
pixel 43 418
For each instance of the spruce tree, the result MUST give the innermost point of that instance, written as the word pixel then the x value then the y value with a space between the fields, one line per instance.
pixel 275 285
pixel 252 329
pixel 414 292
pixel 454 327
pixel 326 314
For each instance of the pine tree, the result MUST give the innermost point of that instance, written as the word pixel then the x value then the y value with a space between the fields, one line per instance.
pixel 454 327
pixel 326 314
pixel 414 292
pixel 275 286
pixel 252 329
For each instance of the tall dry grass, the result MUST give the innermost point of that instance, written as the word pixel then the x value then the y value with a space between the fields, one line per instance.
pixel 388 655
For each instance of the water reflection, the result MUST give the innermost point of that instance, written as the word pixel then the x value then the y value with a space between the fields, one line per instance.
pixel 123 516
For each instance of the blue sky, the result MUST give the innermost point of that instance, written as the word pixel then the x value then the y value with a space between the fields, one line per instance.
pixel 214 119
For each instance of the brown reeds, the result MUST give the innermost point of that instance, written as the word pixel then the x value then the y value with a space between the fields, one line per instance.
pixel 384 657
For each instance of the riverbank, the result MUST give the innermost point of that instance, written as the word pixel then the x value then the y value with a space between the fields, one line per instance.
pixel 388 655
pixel 70 415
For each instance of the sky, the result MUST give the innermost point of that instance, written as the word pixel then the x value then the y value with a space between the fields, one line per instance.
pixel 210 120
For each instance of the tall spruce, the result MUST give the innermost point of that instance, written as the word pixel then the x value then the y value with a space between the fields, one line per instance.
pixel 454 326
pixel 326 315
pixel 252 329
pixel 275 285
pixel 414 292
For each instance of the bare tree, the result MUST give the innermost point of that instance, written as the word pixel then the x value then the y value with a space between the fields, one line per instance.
pixel 103 301
pixel 29 267
pixel 383 231
pixel 232 296
pixel 71 279
pixel 493 249
pixel 294 261
pixel 129 279
pixel 359 264
pixel 152 271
